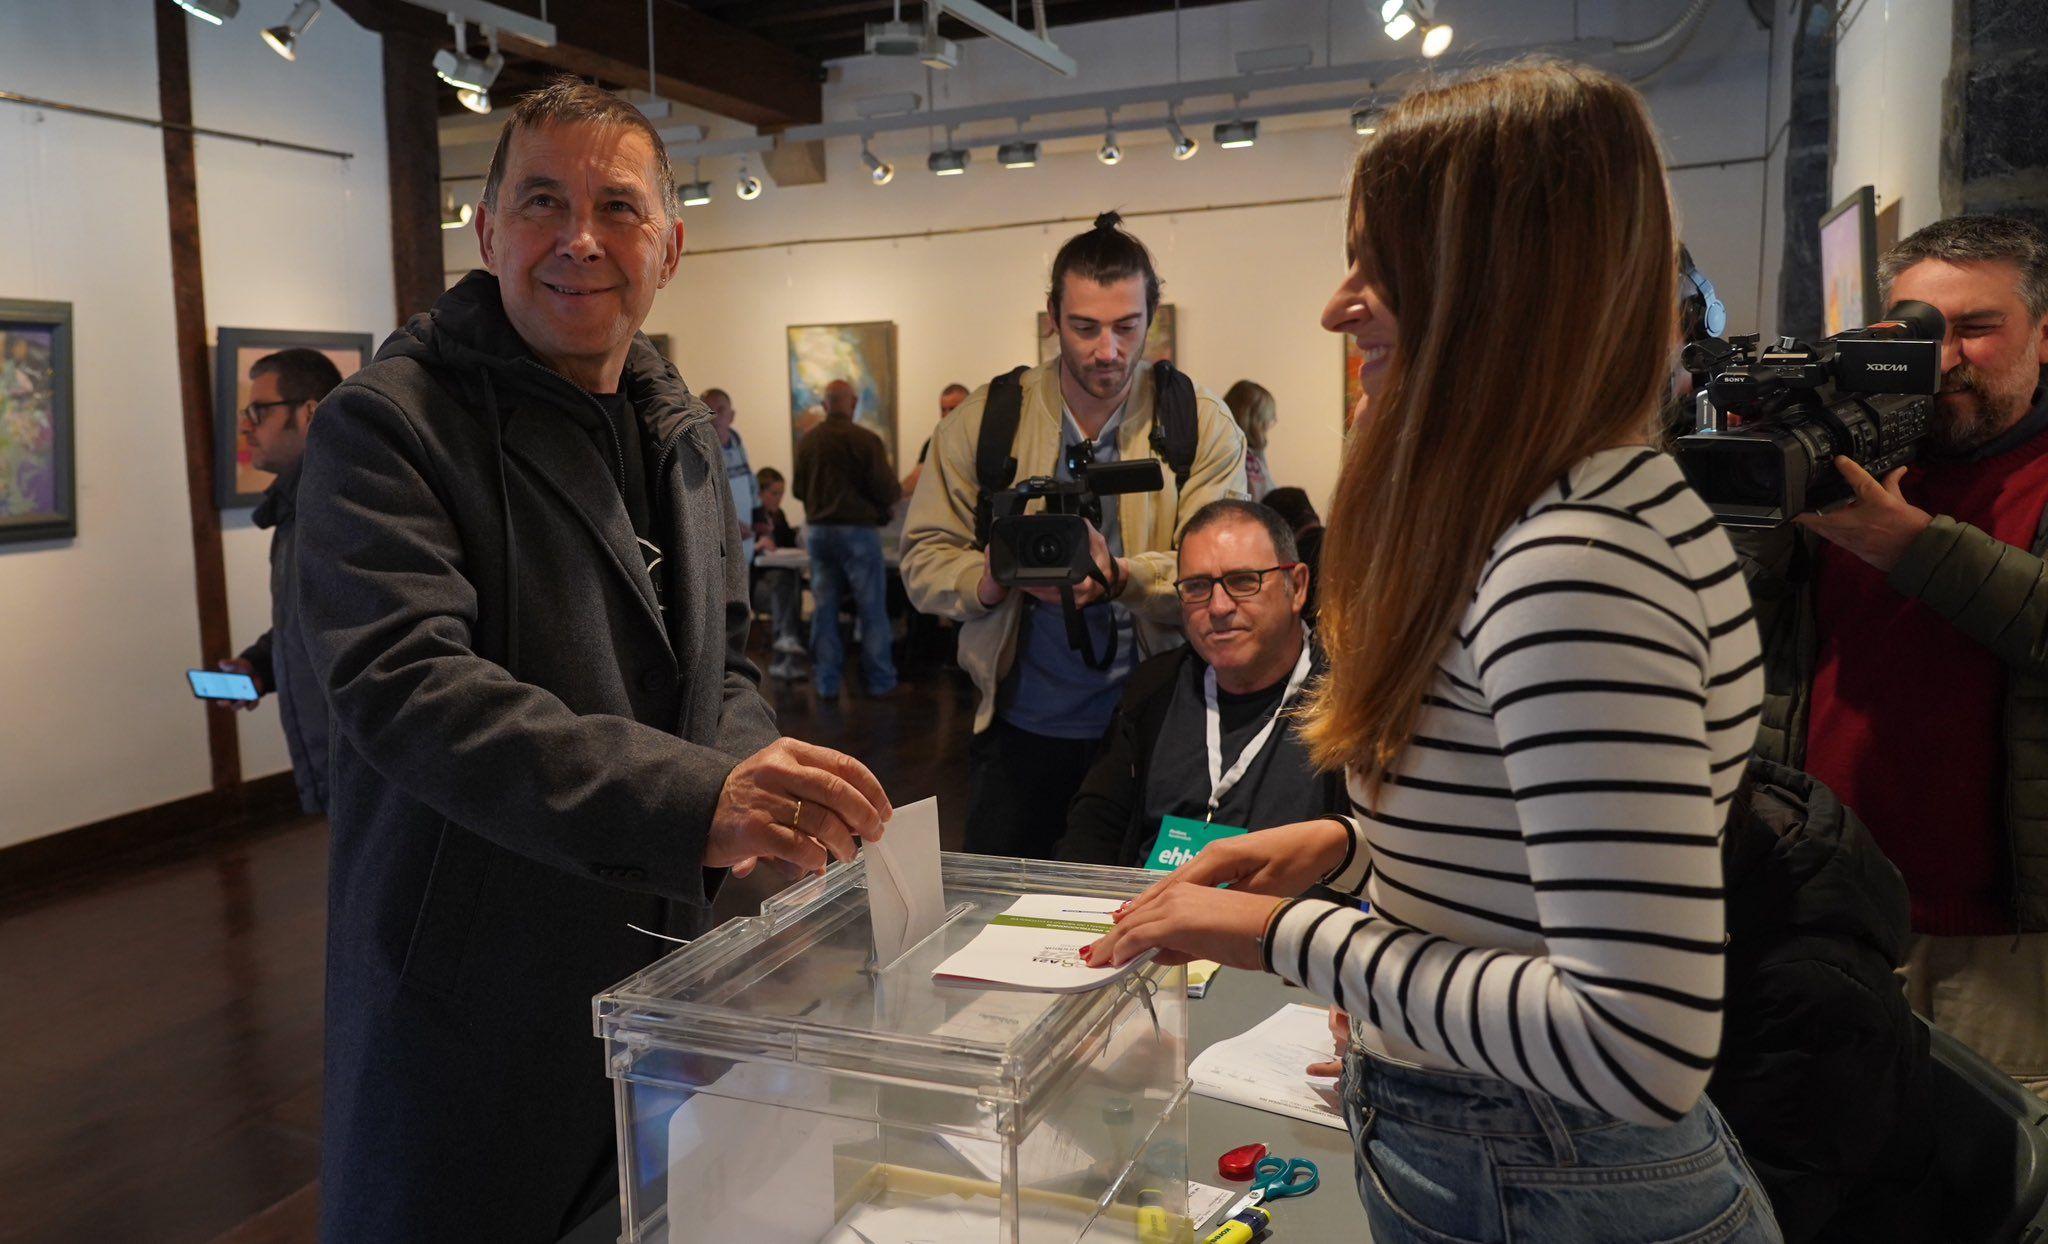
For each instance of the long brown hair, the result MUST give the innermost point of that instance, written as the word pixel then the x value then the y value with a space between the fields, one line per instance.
pixel 1519 226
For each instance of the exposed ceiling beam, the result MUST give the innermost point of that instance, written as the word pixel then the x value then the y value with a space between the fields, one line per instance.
pixel 700 60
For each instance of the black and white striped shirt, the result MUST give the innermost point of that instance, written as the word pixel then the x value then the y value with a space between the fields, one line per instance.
pixel 1543 865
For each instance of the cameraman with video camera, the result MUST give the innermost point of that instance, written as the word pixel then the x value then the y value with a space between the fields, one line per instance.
pixel 1057 605
pixel 1906 643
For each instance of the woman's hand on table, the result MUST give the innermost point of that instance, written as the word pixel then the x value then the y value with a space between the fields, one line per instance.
pixel 1185 917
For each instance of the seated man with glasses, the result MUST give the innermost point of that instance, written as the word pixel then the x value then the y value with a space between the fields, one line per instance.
pixel 1203 743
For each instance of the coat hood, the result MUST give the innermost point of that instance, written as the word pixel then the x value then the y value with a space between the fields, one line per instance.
pixel 1797 861
pixel 467 339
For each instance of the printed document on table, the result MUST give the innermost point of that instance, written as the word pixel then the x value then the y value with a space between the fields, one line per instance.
pixel 905 899
pixel 1036 944
pixel 1266 1068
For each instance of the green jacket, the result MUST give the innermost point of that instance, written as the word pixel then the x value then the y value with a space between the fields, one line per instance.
pixel 1991 591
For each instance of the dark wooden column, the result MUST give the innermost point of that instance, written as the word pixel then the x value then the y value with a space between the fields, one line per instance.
pixel 1996 160
pixel 412 141
pixel 188 297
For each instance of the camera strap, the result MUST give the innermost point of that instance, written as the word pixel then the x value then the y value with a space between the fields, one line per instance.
pixel 1077 626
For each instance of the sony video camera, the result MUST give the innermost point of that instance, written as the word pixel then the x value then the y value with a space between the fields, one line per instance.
pixel 1050 548
pixel 1772 420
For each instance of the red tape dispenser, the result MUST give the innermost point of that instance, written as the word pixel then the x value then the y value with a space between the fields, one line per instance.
pixel 1240 1163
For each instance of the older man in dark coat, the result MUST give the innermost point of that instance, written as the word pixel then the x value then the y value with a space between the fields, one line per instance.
pixel 522 587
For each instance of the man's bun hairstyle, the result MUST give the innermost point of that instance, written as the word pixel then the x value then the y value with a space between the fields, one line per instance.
pixel 1106 253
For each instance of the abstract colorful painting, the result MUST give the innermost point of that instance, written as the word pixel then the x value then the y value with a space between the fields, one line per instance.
pixel 864 355
pixel 1354 392
pixel 236 482
pixel 1161 338
pixel 37 493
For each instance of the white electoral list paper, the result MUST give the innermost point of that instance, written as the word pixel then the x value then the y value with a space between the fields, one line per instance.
pixel 1267 1068
pixel 1036 944
pixel 905 900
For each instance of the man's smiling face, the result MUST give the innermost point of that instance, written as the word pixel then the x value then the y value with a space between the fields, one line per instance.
pixel 580 242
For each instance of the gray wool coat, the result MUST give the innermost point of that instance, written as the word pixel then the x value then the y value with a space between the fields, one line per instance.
pixel 526 759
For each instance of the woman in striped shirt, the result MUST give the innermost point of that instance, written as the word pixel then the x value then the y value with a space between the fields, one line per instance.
pixel 1544 684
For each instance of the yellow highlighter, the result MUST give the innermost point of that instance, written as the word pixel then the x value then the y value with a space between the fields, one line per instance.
pixel 1249 1225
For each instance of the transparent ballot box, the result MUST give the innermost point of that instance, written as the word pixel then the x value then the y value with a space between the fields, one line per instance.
pixel 774 1085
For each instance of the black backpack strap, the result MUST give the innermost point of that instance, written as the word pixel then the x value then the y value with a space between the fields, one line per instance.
pixel 995 460
pixel 1176 429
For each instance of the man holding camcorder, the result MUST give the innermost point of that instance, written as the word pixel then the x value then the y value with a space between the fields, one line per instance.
pixel 1907 646
pixel 1058 604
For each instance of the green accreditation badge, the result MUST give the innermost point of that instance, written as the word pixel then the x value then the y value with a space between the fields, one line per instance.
pixel 1181 837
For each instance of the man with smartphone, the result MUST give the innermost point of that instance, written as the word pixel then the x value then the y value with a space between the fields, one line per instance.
pixel 284 388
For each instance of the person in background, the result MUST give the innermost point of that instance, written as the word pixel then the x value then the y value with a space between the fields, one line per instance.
pixel 522 585
pixel 843 479
pixel 739 473
pixel 1293 506
pixel 1907 644
pixel 1254 410
pixel 284 389
pixel 1544 683
pixel 1204 743
pixel 1040 704
pixel 782 586
pixel 950 398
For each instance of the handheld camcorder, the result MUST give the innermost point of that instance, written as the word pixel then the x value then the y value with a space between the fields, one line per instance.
pixel 1050 548
pixel 1772 420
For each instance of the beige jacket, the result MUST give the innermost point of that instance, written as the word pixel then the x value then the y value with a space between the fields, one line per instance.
pixel 941 566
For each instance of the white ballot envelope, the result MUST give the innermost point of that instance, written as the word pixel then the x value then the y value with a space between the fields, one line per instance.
pixel 905 900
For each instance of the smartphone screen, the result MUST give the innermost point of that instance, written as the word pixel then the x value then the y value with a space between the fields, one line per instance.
pixel 221 685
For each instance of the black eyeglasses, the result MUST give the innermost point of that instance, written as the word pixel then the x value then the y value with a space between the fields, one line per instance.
pixel 1241 584
pixel 252 414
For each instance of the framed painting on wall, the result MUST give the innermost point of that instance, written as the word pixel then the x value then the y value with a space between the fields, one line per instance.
pixel 1354 391
pixel 236 481
pixel 1161 338
pixel 864 355
pixel 38 479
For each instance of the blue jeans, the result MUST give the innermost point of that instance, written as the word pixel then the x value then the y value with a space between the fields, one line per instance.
pixel 847 558
pixel 1446 1158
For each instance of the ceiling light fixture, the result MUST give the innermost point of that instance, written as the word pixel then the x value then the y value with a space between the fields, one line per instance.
pixel 469 75
pixel 880 171
pixel 1109 152
pixel 1231 135
pixel 1436 39
pixel 696 192
pixel 748 187
pixel 284 39
pixel 948 161
pixel 1184 147
pixel 1397 18
pixel 454 215
pixel 1018 155
pixel 1364 120
pixel 211 11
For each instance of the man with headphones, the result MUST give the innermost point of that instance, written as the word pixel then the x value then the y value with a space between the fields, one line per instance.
pixel 1042 704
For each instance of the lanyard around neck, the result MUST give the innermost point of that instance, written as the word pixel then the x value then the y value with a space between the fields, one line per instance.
pixel 1220 782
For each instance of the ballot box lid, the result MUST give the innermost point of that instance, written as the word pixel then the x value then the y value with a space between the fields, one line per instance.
pixel 797 985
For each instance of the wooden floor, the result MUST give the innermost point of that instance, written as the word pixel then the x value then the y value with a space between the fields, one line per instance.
pixel 160 1021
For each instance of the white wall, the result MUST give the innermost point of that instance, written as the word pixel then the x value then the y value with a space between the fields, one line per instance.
pixel 97 629
pixel 1249 281
pixel 1891 57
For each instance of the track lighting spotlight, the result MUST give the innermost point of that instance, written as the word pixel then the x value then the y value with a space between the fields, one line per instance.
pixel 284 39
pixel 694 193
pixel 211 11
pixel 749 186
pixel 454 215
pixel 1234 134
pixel 949 162
pixel 1109 152
pixel 1436 39
pixel 880 171
pixel 1017 155
pixel 1184 147
pixel 1398 18
pixel 1364 120
pixel 471 76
